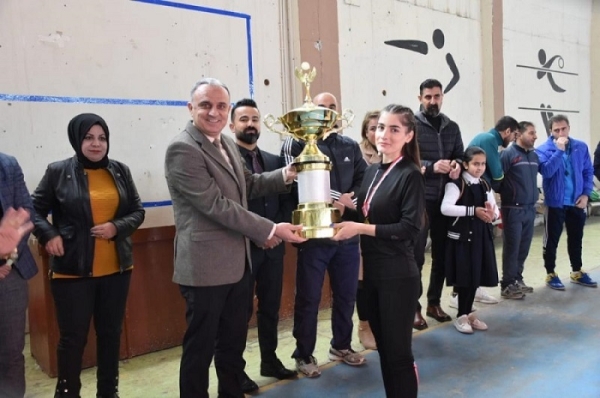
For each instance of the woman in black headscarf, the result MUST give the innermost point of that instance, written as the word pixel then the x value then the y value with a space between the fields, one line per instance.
pixel 95 209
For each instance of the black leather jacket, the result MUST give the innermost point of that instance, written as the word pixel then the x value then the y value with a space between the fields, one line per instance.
pixel 64 191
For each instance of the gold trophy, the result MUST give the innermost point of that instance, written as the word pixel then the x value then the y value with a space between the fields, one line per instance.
pixel 310 123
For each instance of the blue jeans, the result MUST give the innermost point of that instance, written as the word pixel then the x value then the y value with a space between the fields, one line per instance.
pixel 341 262
pixel 574 220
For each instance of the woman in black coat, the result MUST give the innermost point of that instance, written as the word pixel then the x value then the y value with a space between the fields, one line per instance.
pixel 95 208
pixel 389 215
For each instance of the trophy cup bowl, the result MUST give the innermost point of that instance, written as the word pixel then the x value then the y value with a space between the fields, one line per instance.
pixel 309 124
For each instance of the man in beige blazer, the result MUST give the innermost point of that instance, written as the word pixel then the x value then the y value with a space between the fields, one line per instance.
pixel 209 186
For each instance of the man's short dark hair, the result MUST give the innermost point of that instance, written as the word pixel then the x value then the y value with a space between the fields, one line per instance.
pixel 507 122
pixel 243 102
pixel 557 119
pixel 524 125
pixel 430 83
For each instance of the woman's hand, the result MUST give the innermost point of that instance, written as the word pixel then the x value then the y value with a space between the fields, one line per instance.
pixel 346 230
pixel 55 247
pixel 104 231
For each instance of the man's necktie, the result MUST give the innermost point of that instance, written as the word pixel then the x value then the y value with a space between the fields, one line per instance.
pixel 256 167
pixel 217 143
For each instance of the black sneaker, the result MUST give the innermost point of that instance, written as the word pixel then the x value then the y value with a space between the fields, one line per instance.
pixel 512 291
pixel 524 288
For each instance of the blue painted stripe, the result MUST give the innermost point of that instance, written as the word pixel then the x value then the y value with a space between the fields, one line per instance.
pixel 218 12
pixel 147 102
pixel 161 203
pixel 195 8
pixel 89 100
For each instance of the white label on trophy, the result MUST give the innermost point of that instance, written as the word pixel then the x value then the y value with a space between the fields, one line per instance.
pixel 313 186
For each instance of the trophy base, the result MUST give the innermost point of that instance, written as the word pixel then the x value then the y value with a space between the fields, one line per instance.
pixel 316 219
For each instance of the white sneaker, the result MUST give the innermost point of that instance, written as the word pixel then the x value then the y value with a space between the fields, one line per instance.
pixel 475 323
pixel 454 302
pixel 463 325
pixel 484 297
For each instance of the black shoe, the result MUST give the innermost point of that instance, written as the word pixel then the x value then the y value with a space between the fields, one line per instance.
pixel 276 369
pixel 113 395
pixel 248 385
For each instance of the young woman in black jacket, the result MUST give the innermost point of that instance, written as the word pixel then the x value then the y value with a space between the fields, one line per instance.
pixel 389 215
pixel 95 208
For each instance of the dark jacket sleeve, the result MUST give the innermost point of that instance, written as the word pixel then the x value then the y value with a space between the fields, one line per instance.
pixel 21 198
pixel 412 214
pixel 44 200
pixel 135 214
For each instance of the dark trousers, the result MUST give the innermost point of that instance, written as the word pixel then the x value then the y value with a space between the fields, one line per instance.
pixel 217 325
pixel 392 305
pixel 77 300
pixel 437 228
pixel 266 282
pixel 13 306
pixel 361 303
pixel 574 220
pixel 517 223
pixel 341 262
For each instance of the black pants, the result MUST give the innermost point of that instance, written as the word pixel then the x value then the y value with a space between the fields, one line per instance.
pixel 266 282
pixel 392 304
pixel 574 220
pixel 437 227
pixel 217 319
pixel 13 307
pixel 77 300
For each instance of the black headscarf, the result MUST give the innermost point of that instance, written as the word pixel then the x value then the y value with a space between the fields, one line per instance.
pixel 78 128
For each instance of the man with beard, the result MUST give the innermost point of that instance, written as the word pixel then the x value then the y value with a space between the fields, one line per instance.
pixel 267 264
pixel 519 195
pixel 502 134
pixel 441 148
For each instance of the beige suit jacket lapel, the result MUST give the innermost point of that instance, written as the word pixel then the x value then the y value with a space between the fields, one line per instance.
pixel 212 151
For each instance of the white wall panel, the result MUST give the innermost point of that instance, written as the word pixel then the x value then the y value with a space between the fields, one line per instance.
pixel 534 33
pixel 369 66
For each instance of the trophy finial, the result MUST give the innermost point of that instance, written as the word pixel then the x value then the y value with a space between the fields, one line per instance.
pixel 306 76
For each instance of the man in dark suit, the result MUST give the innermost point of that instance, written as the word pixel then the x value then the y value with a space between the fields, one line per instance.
pixel 15 270
pixel 210 187
pixel 267 264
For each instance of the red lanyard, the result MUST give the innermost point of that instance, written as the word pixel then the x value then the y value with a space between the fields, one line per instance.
pixel 370 193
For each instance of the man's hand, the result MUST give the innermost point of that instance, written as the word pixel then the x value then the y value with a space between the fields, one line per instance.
pixel 271 243
pixel 55 247
pixel 290 173
pixel 442 166
pixel 104 231
pixel 288 232
pixel 561 143
pixel 346 200
pixel 4 271
pixel 455 170
pixel 14 226
pixel 581 202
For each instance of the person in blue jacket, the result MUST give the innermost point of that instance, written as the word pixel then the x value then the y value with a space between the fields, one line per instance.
pixel 568 180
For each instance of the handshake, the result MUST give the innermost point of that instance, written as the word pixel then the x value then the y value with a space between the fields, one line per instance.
pixel 284 232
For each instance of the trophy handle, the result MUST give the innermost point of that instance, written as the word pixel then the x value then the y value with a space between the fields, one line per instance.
pixel 270 121
pixel 348 117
